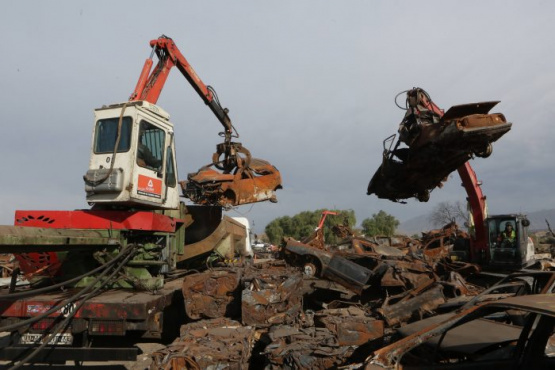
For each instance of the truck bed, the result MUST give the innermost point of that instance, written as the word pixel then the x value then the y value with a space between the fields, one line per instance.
pixel 111 314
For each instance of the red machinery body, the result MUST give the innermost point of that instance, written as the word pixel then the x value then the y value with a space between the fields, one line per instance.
pixel 49 263
pixel 477 200
pixel 93 219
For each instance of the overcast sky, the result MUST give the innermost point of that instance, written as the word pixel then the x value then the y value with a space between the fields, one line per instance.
pixel 309 84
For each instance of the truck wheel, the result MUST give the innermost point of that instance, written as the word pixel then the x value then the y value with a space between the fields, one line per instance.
pixel 310 269
pixel 311 266
pixel 485 152
pixel 424 196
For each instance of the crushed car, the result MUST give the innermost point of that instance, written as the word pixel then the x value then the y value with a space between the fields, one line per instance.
pixel 255 181
pixel 435 144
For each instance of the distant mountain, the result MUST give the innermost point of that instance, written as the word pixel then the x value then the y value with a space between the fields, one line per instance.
pixel 537 219
pixel 421 223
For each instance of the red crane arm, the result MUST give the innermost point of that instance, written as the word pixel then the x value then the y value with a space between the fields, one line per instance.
pixel 477 202
pixel 151 83
pixel 475 197
pixel 323 218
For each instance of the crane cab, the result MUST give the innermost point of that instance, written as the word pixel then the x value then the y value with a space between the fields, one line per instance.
pixel 509 244
pixel 142 171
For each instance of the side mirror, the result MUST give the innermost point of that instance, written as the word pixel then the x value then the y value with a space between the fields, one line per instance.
pixel 525 222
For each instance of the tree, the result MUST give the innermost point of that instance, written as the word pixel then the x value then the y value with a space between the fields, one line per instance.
pixel 381 223
pixel 446 212
pixel 304 223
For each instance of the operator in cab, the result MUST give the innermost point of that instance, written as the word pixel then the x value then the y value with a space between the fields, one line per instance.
pixel 508 236
pixel 144 154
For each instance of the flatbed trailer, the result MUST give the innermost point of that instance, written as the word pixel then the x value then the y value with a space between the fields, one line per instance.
pixel 116 314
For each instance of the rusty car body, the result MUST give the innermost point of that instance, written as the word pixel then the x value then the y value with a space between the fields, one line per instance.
pixel 329 265
pixel 256 181
pixel 472 339
pixel 436 146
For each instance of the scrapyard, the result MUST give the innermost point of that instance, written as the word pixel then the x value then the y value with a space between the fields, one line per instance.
pixel 142 266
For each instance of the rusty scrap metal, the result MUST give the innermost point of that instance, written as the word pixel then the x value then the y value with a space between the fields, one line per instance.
pixel 329 265
pixel 350 325
pixel 455 286
pixel 272 295
pixel 218 343
pixel 412 305
pixel 304 348
pixel 407 274
pixel 212 294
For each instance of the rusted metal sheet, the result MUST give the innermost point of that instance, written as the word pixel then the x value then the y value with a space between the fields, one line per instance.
pixel 406 274
pixel 272 295
pixel 255 182
pixel 438 244
pixel 208 344
pixel 350 325
pixel 228 236
pixel 456 286
pixel 212 294
pixel 412 305
pixel 304 348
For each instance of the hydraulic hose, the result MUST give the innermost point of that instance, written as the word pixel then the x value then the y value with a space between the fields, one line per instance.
pixel 125 252
pixel 64 283
pixel 70 316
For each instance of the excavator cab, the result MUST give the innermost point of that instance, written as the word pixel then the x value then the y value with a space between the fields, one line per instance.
pixel 142 171
pixel 509 245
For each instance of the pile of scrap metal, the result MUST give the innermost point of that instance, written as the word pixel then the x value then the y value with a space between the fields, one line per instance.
pixel 254 316
pixel 269 315
pixel 397 286
pixel 516 313
pixel 436 144
pixel 234 305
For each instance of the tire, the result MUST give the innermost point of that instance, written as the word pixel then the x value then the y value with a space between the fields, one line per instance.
pixel 424 196
pixel 310 269
pixel 485 152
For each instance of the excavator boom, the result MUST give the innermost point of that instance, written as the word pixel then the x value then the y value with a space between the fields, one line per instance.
pixel 151 83
pixel 236 178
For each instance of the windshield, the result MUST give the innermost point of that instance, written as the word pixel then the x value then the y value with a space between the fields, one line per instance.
pixel 503 237
pixel 107 132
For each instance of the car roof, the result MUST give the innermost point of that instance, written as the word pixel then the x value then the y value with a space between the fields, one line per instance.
pixel 540 303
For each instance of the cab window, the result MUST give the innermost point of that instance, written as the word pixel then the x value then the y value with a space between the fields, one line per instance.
pixel 107 133
pixel 171 180
pixel 150 152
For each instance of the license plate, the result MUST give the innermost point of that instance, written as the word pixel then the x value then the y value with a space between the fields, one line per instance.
pixel 64 339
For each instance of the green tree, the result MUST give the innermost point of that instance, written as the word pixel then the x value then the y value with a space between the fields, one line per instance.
pixel 381 223
pixel 304 223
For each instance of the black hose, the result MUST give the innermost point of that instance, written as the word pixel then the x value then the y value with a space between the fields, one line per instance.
pixel 63 283
pixel 70 316
pixel 69 300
